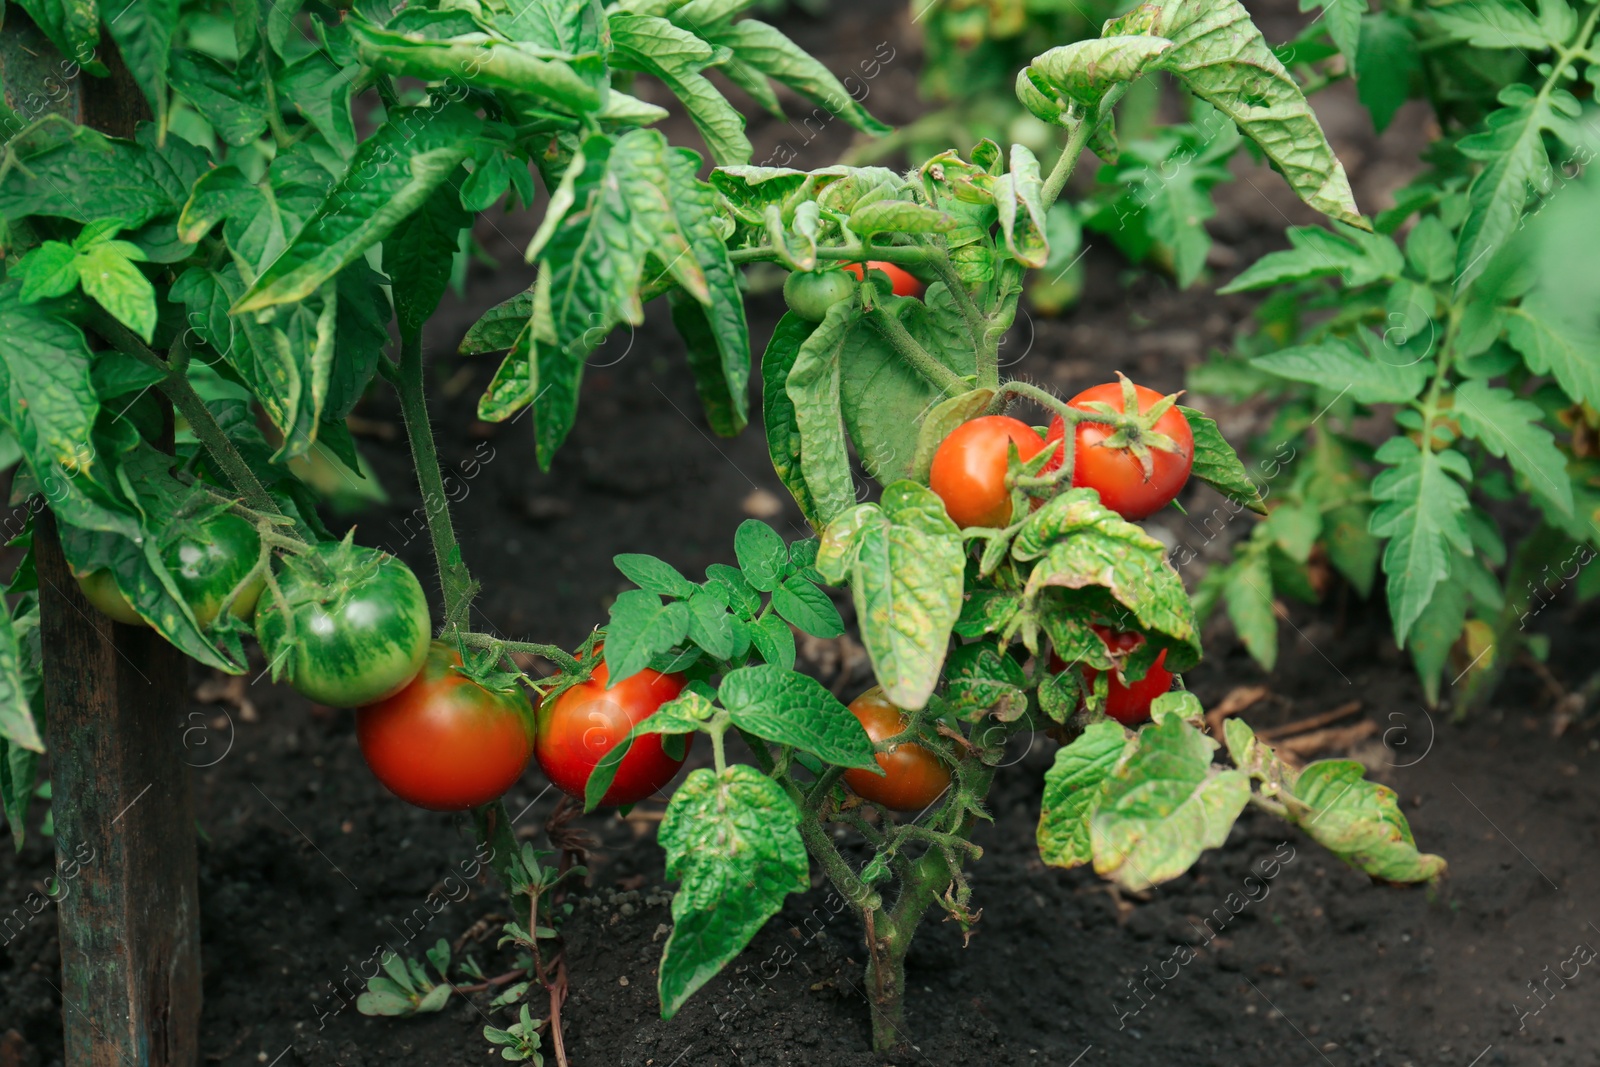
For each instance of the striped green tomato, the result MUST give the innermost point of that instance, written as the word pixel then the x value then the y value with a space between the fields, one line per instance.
pixel 352 628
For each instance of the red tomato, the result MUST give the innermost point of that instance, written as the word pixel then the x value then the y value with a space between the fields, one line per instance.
pixel 969 468
pixel 445 742
pixel 905 283
pixel 1127 702
pixel 913 777
pixel 584 723
pixel 1116 472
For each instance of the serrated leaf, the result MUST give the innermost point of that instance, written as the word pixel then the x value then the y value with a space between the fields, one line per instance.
pixel 1219 54
pixel 1073 790
pixel 794 709
pixel 733 841
pixel 1510 427
pixel 766 49
pixel 1218 465
pixel 1361 823
pixel 47 271
pixel 1555 340
pixel 641 626
pixel 1356 258
pixel 676 57
pixel 234 102
pixel 392 175
pixel 1341 368
pixel 1164 806
pixel 657 576
pixel 1390 62
pixel 1421 512
pixel 812 386
pixel 73 172
pixel 1247 592
pixel 1491 24
pixel 1437 629
pixel 903 557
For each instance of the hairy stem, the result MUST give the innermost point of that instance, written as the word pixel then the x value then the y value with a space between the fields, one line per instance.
pixel 913 353
pixel 554 653
pixel 457 583
pixel 1076 140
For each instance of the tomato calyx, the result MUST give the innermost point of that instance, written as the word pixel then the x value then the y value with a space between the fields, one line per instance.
pixel 1134 430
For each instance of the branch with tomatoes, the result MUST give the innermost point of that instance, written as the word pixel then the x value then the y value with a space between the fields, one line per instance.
pixel 999 581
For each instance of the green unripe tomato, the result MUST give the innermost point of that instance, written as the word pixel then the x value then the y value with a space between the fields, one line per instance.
pixel 359 630
pixel 209 561
pixel 810 294
pixel 100 589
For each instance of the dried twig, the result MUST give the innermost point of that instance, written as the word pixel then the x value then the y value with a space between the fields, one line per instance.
pixel 1315 722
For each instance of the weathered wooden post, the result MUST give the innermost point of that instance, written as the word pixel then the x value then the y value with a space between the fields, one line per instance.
pixel 124 814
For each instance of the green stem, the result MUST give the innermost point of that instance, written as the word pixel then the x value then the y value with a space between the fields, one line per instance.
pixel 280 133
pixel 176 387
pixel 969 310
pixel 457 583
pixel 553 653
pixel 1068 160
pixel 493 825
pixel 918 357
pixel 901 255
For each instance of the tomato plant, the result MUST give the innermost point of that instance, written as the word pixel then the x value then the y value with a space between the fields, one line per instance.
pixel 1139 469
pixel 206 297
pixel 1126 700
pixel 913 777
pixel 444 741
pixel 580 725
pixel 969 468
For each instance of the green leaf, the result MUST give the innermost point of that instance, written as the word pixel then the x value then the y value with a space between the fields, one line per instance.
pixel 882 398
pixel 654 575
pixel 1437 629
pixel 1247 592
pixel 47 271
pixel 1079 542
pixel 1356 258
pixel 50 399
pixel 904 559
pixel 73 26
pixel 1390 65
pixel 1163 806
pixel 320 90
pixel 18 771
pixel 119 287
pixel 641 626
pixel 1074 787
pixel 1492 24
pixel 778 411
pixel 676 57
pixel 1343 19
pixel 1219 54
pixel 1018 197
pixel 762 554
pixel 774 640
pixel 807 607
pixel 143 31
pixel 490 64
pixel 794 709
pixel 496 329
pixel 899 216
pixel 1339 367
pixel 1516 164
pixel 73 172
pixel 419 252
pixel 233 103
pixel 1361 823
pixel 1510 427
pixel 1085 70
pixel 733 841
pixel 385 1004
pixel 392 175
pixel 1217 464
pixel 1421 511
pixel 813 390
pixel 765 49
pixel 940 421
pixel 714 328
pixel 710 625
pixel 19 691
pixel 1555 339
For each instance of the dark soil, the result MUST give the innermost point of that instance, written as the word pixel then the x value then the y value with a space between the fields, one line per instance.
pixel 308 867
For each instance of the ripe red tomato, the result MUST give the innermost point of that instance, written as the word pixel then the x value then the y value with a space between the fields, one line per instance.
pixel 969 468
pixel 913 777
pixel 1116 472
pixel 445 742
pixel 580 726
pixel 905 283
pixel 1127 702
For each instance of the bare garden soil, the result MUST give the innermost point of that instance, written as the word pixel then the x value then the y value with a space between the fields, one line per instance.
pixel 308 867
